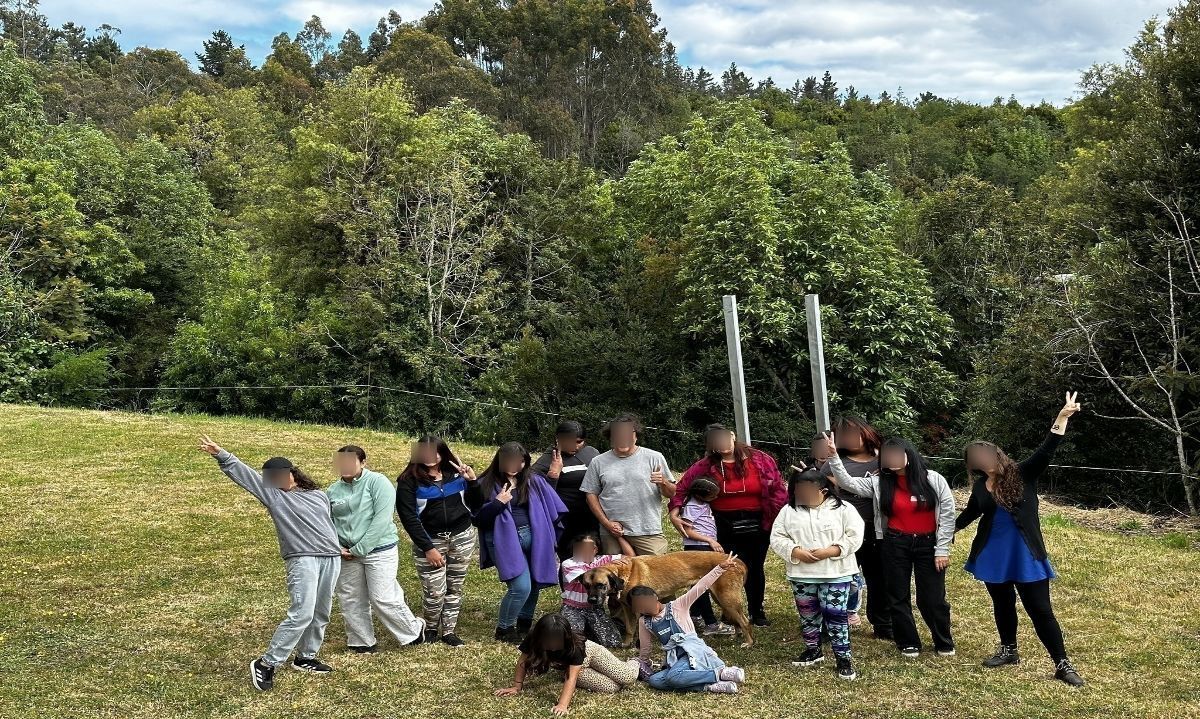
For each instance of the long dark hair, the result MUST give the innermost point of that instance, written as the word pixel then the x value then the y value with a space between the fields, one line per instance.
pixel 872 439
pixel 302 480
pixel 916 475
pixel 417 470
pixel 797 475
pixel 551 626
pixel 741 451
pixel 1008 489
pixel 493 478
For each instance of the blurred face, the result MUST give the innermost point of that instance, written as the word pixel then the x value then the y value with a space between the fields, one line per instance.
pixel 280 478
pixel 893 458
pixel 553 642
pixel 622 437
pixel 427 455
pixel 720 442
pixel 585 551
pixel 511 464
pixel 849 439
pixel 819 452
pixel 645 606
pixel 347 464
pixel 809 494
pixel 982 458
pixel 568 443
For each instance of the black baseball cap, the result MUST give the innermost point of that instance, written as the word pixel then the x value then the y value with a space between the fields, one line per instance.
pixel 278 464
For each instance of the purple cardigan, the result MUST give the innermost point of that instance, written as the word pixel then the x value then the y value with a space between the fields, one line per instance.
pixel 544 510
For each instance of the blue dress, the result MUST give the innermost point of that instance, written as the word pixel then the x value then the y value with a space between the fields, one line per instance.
pixel 1005 557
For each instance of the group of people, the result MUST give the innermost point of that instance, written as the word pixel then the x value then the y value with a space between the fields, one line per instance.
pixel 864 513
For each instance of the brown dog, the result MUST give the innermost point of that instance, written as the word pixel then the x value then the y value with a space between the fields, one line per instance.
pixel 669 575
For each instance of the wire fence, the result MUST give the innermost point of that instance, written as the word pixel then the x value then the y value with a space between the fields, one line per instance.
pixel 515 408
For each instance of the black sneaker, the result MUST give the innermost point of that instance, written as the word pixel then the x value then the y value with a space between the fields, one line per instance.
pixel 431 636
pixel 363 650
pixel 760 620
pixel 811 656
pixel 845 669
pixel 314 665
pixel 1006 654
pixel 262 675
pixel 453 640
pixel 509 635
pixel 1065 673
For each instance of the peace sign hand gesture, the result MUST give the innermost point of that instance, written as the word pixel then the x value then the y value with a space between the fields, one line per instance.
pixel 730 562
pixel 504 496
pixel 465 470
pixel 207 445
pixel 830 443
pixel 1070 406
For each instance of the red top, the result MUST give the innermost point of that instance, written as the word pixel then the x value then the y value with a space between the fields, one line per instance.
pixel 739 492
pixel 907 514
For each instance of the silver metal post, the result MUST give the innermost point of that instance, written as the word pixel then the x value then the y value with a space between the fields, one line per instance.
pixel 733 338
pixel 816 361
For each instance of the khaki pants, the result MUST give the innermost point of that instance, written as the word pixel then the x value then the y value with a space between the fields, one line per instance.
pixel 652 544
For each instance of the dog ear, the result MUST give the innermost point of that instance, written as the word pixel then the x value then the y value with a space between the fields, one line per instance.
pixel 616 583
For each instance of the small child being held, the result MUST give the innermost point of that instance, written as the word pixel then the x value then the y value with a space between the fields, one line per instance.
pixel 699 529
pixel 587 619
pixel 691 665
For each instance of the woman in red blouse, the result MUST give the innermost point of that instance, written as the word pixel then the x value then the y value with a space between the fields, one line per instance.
pixel 751 495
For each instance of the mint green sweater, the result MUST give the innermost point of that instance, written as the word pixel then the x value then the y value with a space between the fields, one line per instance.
pixel 362 512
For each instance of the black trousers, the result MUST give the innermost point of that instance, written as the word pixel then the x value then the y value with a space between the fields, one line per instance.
pixel 577 521
pixel 702 607
pixel 908 558
pixel 871 566
pixel 1035 596
pixel 751 548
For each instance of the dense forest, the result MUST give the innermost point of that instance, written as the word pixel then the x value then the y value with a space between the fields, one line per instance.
pixel 532 204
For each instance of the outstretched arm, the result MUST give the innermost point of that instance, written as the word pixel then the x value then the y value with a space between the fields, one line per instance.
pixel 241 473
pixel 1035 465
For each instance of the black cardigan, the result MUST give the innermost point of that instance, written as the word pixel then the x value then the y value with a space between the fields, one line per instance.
pixel 1025 513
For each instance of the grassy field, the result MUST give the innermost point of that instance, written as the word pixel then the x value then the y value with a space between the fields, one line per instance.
pixel 138 582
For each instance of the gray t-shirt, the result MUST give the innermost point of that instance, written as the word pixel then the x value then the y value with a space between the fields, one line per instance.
pixel 626 493
pixel 302 519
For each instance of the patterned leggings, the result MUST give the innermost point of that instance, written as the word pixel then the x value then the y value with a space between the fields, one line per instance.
pixel 603 672
pixel 594 623
pixel 441 587
pixel 824 603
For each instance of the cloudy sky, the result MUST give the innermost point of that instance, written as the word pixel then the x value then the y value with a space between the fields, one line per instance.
pixel 970 49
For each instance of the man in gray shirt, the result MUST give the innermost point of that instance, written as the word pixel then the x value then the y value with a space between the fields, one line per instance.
pixel 625 487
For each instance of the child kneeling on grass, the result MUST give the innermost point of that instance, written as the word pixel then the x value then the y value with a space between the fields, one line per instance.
pixel 817 535
pixel 690 664
pixel 553 644
pixel 590 621
pixel 311 554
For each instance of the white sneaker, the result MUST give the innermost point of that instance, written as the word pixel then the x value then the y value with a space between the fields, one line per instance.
pixel 737 675
pixel 911 652
pixel 720 629
pixel 722 688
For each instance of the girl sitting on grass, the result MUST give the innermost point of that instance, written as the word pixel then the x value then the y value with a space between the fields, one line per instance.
pixel 817 535
pixel 311 555
pixel 690 664
pixel 589 621
pixel 553 644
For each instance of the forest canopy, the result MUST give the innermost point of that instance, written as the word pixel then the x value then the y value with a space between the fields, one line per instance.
pixel 534 206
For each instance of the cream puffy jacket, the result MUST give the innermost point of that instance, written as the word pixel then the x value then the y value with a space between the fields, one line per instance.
pixel 817 528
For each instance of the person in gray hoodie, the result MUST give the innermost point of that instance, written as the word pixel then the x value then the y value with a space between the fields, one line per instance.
pixel 311 554
pixel 914 520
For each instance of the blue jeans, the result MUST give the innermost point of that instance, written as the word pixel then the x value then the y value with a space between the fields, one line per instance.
pixel 681 677
pixel 520 601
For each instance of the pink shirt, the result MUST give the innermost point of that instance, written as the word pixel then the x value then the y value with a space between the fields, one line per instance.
pixel 574 594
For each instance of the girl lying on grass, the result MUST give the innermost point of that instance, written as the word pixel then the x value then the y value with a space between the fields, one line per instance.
pixel 690 664
pixel 311 554
pixel 552 644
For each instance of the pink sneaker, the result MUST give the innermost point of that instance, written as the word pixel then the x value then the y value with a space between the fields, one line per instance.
pixel 722 688
pixel 737 675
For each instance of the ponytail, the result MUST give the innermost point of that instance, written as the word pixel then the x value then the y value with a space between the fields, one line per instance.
pixel 302 480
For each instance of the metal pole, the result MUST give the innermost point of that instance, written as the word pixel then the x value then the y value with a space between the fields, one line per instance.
pixel 816 361
pixel 733 338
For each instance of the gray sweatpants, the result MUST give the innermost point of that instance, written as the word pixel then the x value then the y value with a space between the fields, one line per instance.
pixel 310 583
pixel 367 588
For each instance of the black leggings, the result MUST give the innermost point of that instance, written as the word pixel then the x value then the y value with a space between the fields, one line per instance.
pixel 1035 596
pixel 751 548
pixel 702 607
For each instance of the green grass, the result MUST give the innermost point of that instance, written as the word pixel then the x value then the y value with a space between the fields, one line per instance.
pixel 138 582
